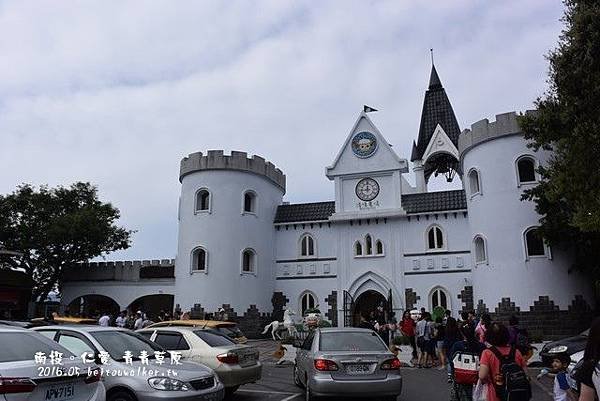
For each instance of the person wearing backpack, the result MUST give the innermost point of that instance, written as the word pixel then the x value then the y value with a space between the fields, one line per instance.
pixel 519 337
pixel 463 360
pixel 503 368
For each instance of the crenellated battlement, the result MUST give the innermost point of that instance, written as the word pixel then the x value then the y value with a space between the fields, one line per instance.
pixel 484 130
pixel 239 161
pixel 123 270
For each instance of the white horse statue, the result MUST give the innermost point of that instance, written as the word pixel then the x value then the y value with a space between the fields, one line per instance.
pixel 277 327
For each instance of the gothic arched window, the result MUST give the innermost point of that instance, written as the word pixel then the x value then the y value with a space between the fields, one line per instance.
pixel 199 260
pixel 248 261
pixel 307 245
pixel 474 182
pixel 435 238
pixel 368 244
pixel 480 250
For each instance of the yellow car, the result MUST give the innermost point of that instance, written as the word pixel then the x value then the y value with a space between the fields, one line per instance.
pixel 230 329
pixel 64 320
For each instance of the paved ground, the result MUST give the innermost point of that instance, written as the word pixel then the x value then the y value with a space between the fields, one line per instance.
pixel 419 384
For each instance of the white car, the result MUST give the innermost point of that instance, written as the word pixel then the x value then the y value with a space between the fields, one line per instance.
pixel 25 377
pixel 136 380
pixel 235 364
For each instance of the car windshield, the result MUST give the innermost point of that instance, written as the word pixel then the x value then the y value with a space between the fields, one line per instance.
pixel 117 342
pixel 213 339
pixel 351 341
pixel 22 346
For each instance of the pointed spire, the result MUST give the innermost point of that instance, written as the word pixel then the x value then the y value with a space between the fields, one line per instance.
pixel 434 79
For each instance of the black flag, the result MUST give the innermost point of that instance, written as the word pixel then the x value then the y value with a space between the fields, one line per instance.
pixel 368 109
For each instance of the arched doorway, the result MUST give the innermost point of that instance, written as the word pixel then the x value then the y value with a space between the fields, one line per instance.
pixel 153 304
pixel 439 302
pixel 371 305
pixel 92 305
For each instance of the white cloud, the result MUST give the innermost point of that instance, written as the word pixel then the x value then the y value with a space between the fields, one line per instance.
pixel 117 92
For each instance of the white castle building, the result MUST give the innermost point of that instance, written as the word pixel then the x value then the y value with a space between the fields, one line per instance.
pixel 381 241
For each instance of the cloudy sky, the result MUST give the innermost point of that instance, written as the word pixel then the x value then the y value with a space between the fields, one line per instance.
pixel 117 92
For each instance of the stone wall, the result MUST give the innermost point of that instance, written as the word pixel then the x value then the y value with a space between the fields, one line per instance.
pixel 544 320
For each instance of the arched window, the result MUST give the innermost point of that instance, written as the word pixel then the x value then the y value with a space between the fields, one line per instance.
pixel 202 200
pixel 439 298
pixel 368 245
pixel 357 248
pixel 526 170
pixel 307 301
pixel 307 245
pixel 534 243
pixel 249 202
pixel 435 238
pixel 199 260
pixel 480 250
pixel 379 247
pixel 474 183
pixel 248 261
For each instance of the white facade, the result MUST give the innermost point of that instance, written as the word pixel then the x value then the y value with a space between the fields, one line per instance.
pixel 380 241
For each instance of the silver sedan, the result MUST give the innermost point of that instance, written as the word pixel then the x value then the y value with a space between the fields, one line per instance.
pixel 37 369
pixel 129 377
pixel 347 362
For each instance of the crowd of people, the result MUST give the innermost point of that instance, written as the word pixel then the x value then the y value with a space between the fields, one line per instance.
pixel 484 349
pixel 133 321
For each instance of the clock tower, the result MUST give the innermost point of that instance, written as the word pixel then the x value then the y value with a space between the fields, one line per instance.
pixel 367 174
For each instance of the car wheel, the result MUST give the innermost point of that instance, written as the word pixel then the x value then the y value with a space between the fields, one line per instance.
pixel 121 396
pixel 230 390
pixel 297 381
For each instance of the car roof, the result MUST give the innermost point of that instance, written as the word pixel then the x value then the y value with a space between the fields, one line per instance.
pixel 82 328
pixel 10 329
pixel 193 322
pixel 345 330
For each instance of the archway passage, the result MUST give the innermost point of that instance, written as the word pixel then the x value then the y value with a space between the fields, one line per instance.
pixel 153 305
pixel 372 305
pixel 93 306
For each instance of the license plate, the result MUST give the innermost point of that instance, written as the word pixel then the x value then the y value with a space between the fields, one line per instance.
pixel 358 369
pixel 61 393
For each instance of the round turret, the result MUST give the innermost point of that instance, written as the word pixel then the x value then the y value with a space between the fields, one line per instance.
pixel 514 267
pixel 225 251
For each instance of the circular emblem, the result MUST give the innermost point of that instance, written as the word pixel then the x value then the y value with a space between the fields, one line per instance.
pixel 367 189
pixel 364 144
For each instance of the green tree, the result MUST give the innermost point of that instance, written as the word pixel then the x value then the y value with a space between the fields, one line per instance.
pixel 567 122
pixel 56 227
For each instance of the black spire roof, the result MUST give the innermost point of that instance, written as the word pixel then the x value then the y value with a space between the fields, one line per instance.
pixel 436 110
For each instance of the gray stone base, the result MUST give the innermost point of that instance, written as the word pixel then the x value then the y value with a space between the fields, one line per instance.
pixel 544 320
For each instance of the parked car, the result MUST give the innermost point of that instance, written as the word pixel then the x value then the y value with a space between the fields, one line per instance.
pixel 144 382
pixel 23 378
pixel 346 362
pixel 230 329
pixel 235 364
pixel 40 321
pixel 576 362
pixel 19 323
pixel 570 345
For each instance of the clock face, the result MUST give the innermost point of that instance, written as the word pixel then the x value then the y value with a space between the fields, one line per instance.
pixel 364 144
pixel 367 189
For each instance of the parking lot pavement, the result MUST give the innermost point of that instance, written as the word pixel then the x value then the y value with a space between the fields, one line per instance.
pixel 425 384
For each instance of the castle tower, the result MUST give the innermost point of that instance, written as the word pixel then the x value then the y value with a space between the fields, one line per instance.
pixel 514 269
pixel 435 151
pixel 225 250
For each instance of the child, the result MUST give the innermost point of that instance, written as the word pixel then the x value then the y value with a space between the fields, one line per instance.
pixel 562 390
